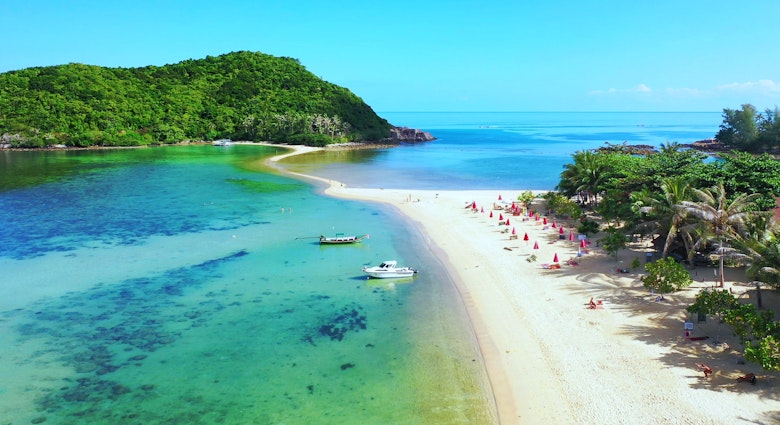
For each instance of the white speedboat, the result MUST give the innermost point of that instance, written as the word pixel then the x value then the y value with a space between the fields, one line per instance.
pixel 389 269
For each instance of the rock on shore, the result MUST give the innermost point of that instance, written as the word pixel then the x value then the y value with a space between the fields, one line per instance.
pixel 406 134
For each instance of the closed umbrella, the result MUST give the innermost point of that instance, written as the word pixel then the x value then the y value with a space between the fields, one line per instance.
pixel 555 258
pixel 525 237
pixel 571 236
pixel 491 214
pixel 560 230
pixel 507 222
pixel 513 231
pixel 501 217
pixel 536 245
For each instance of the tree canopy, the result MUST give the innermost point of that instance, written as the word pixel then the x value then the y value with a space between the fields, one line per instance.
pixel 747 129
pixel 240 95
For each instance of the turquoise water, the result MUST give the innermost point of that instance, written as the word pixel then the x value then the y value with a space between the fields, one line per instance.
pixel 499 150
pixel 185 285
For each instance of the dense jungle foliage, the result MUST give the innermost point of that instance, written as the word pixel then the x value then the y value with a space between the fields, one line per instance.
pixel 241 95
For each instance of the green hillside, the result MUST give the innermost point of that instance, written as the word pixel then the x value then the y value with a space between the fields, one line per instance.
pixel 240 96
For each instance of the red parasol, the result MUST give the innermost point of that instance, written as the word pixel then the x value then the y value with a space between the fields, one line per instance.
pixel 491 214
pixel 482 209
pixel 583 244
pixel 507 222
pixel 501 217
pixel 560 230
pixel 513 231
pixel 571 236
pixel 525 238
pixel 544 221
pixel 536 245
pixel 555 258
pixel 554 225
pixel 499 196
pixel 474 204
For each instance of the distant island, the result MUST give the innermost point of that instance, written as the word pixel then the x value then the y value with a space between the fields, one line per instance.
pixel 247 96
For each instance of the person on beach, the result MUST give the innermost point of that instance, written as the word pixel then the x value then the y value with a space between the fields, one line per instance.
pixel 704 368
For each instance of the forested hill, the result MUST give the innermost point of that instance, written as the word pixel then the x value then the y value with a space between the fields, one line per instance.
pixel 240 96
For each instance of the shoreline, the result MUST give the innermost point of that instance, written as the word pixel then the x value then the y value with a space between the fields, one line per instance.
pixel 548 357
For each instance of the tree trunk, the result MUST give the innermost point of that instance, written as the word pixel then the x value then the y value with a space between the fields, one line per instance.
pixel 720 265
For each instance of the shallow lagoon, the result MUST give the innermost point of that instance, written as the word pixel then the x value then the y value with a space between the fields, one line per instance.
pixel 167 285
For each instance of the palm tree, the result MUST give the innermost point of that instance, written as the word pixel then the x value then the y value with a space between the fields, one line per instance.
pixel 584 176
pixel 717 219
pixel 760 247
pixel 664 216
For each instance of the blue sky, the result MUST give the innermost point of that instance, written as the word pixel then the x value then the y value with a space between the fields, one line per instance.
pixel 521 55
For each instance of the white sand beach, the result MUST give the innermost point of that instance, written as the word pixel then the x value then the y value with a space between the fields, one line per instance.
pixel 550 358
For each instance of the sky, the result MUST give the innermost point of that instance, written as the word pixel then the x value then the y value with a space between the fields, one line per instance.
pixel 428 56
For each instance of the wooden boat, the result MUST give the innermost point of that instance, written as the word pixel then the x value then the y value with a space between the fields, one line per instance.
pixel 389 269
pixel 341 239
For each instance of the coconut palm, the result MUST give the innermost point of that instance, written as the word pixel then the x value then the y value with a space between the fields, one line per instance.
pixel 759 246
pixel 718 220
pixel 585 176
pixel 662 212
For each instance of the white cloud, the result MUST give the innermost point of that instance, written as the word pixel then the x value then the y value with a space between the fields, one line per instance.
pixel 751 86
pixel 639 88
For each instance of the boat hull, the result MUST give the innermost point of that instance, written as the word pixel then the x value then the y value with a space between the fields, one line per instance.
pixel 388 270
pixel 388 275
pixel 341 240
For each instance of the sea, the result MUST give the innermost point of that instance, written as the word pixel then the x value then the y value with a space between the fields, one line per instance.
pixel 185 284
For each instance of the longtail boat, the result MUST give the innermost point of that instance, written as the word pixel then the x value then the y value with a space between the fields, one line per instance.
pixel 341 239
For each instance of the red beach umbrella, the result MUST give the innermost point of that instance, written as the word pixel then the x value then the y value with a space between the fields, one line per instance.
pixel 474 204
pixel 525 238
pixel 560 230
pixel 501 217
pixel 544 221
pixel 555 258
pixel 513 205
pixel 536 245
pixel 583 244
pixel 499 196
pixel 507 222
pixel 513 231
pixel 491 214
pixel 571 236
pixel 482 210
pixel 554 225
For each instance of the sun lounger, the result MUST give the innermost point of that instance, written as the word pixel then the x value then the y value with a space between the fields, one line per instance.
pixel 747 378
pixel 594 305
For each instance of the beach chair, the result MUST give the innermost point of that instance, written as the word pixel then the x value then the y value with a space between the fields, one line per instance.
pixel 595 305
pixel 747 378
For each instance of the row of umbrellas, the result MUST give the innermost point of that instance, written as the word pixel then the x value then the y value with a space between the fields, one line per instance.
pixel 583 242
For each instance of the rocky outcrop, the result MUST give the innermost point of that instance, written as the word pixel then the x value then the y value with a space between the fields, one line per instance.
pixel 413 135
pixel 708 145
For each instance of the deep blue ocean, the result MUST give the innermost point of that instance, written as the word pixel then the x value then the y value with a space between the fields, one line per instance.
pixel 185 285
pixel 494 150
